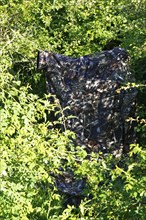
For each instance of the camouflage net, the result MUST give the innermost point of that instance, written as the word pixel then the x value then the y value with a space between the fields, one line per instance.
pixel 90 86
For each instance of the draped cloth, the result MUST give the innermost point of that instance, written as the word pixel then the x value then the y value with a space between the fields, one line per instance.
pixel 90 86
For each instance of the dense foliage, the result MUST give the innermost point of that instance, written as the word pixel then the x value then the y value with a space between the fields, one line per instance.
pixel 31 147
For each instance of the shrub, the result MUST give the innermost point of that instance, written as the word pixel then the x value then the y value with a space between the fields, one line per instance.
pixel 31 147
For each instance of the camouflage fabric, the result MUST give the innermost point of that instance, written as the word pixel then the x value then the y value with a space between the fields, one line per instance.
pixel 88 85
pixel 69 186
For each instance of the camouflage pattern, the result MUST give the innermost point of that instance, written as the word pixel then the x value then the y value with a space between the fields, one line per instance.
pixel 69 186
pixel 88 85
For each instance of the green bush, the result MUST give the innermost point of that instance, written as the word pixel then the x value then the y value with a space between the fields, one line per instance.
pixel 31 149
pixel 31 145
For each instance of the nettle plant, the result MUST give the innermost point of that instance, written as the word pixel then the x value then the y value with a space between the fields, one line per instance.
pixel 30 148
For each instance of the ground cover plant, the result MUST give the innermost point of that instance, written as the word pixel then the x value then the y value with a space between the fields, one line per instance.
pixel 32 148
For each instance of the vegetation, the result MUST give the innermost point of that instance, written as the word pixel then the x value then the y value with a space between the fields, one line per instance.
pixel 31 147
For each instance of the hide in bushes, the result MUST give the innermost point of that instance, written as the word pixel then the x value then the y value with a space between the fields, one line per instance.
pixel 90 86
